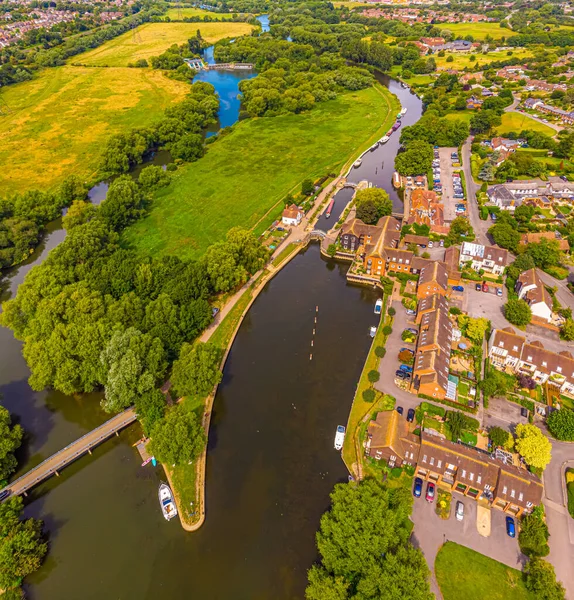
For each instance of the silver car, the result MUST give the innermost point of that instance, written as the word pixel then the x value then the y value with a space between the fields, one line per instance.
pixel 459 511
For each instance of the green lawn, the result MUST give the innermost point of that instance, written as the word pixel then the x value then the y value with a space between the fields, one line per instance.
pixel 60 120
pixel 478 30
pixel 516 122
pixel 151 39
pixel 461 115
pixel 463 574
pixel 244 177
pixel 462 60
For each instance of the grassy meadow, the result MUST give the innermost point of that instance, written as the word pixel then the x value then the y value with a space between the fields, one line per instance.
pixel 516 121
pixel 460 61
pixel 478 30
pixel 151 39
pixel 244 176
pixel 191 11
pixel 60 120
pixel 462 573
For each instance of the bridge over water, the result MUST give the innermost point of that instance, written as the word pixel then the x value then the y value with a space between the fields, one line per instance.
pixel 59 460
pixel 199 65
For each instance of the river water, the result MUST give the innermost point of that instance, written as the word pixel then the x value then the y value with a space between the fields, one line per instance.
pixel 271 463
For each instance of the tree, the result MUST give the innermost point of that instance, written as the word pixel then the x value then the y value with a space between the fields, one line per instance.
pixel 474 329
pixel 369 395
pixel 380 351
pixel 526 382
pixel 153 177
pixel 567 330
pixel 364 544
pixel 533 446
pixel 196 371
pixel 456 422
pixel 372 204
pixel 150 408
pixel 73 189
pixel 135 362
pixel 416 159
pixel 10 440
pixel 80 212
pixel 545 253
pixel 517 312
pixel 484 121
pixel 561 424
pixel 189 147
pixel 541 581
pixel 179 438
pixel 505 236
pixel 307 187
pixel 123 204
pixel 21 546
pixel 501 438
pixel 373 376
pixel 332 250
pixel 533 536
pixel 497 384
pixel 460 229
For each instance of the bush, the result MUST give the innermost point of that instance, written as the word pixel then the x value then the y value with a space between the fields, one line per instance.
pixel 392 312
pixel 387 330
pixel 561 424
pixel 373 376
pixel 454 310
pixel 380 351
pixel 533 536
pixel 369 395
pixel 396 472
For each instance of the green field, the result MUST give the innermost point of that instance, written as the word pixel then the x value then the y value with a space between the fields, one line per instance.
pixel 461 61
pixel 151 39
pixel 462 573
pixel 244 177
pixel 516 122
pixel 176 14
pixel 59 122
pixel 460 115
pixel 478 30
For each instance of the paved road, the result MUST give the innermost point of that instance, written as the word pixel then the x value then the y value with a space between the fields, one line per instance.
pixel 564 295
pixel 64 457
pixel 480 227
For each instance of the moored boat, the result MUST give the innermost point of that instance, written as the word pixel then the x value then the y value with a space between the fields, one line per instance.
pixel 378 306
pixel 339 437
pixel 167 502
pixel 373 331
pixel 358 163
pixel 329 209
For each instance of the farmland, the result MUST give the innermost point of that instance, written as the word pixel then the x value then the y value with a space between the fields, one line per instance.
pixel 244 177
pixel 516 122
pixel 59 121
pixel 185 12
pixel 151 39
pixel 460 61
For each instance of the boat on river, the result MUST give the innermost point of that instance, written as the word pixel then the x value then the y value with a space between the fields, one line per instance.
pixel 167 502
pixel 378 306
pixel 339 437
pixel 357 163
pixel 329 209
pixel 373 331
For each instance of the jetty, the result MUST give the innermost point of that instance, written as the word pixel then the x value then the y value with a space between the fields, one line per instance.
pixel 65 456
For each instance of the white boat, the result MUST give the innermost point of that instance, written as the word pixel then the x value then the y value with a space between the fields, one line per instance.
pixel 384 139
pixel 373 332
pixel 167 502
pixel 378 306
pixel 403 111
pixel 339 437
pixel 358 163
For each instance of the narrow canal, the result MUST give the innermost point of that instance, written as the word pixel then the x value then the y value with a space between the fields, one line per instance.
pixel 271 462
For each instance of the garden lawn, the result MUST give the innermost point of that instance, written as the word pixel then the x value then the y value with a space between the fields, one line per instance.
pixel 462 573
pixel 516 122
pixel 59 121
pixel 244 176
pixel 151 39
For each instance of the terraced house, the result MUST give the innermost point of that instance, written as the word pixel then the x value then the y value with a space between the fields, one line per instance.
pixel 510 352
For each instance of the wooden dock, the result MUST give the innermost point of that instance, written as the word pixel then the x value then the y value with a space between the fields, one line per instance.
pixel 56 462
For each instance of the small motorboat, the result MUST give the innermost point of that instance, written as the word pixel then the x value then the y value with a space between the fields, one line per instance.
pixel 358 163
pixel 378 306
pixel 339 437
pixel 167 502
pixel 373 332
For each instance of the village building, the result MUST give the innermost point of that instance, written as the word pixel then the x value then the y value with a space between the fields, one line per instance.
pixel 530 288
pixel 433 279
pixel 292 216
pixel 488 258
pixel 551 236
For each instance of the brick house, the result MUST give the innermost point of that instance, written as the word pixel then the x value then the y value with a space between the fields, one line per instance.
pixel 389 439
pixel 433 279
pixel 530 288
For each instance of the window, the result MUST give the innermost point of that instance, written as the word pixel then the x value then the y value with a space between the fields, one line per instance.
pixel 463 473
pixel 559 369
pixel 504 490
pixel 439 464
pixel 501 345
pixel 520 496
pixel 479 479
pixel 432 460
pixel 512 493
pixel 425 458
pixel 544 363
pixel 529 359
pixel 451 467
pixel 471 477
pixel 515 348
pixel 529 505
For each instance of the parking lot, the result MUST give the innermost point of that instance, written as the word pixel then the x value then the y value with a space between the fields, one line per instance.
pixel 485 304
pixel 431 532
pixel 450 186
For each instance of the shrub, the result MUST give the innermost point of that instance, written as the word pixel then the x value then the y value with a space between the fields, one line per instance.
pixel 373 376
pixel 392 312
pixel 369 395
pixel 380 351
pixel 454 310
pixel 396 472
pixel 533 536
pixel 387 330
pixel 561 424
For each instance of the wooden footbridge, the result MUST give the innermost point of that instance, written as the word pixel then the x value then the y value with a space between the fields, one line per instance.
pixel 56 462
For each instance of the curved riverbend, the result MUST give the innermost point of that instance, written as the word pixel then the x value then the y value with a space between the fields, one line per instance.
pixel 270 463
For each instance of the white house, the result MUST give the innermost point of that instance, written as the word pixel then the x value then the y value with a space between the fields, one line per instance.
pixel 488 258
pixel 530 288
pixel 292 215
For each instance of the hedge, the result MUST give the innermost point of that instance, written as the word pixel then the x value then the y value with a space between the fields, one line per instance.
pixel 449 403
pixel 517 399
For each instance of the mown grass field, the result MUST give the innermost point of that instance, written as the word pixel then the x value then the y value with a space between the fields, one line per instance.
pixel 516 121
pixel 244 177
pixel 151 39
pixel 60 121
pixel 478 30
pixel 460 61
pixel 191 11
pixel 465 574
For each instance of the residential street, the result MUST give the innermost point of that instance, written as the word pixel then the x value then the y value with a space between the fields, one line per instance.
pixel 480 227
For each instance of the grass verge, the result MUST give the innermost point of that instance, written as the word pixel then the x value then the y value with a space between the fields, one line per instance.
pixel 515 122
pixel 284 254
pixel 464 573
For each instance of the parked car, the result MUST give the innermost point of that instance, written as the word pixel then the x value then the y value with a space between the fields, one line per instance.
pixel 411 415
pixel 400 410
pixel 418 487
pixel 214 312
pixel 499 291
pixel 429 497
pixel 400 374
pixel 280 229
pixel 413 331
pixel 563 177
pixel 406 368
pixel 485 287
pixel 459 511
pixel 5 494
pixel 406 350
pixel 524 412
pixel 510 527
pixel 411 312
pixel 430 244
pixel 458 288
pixel 478 287
pixel 441 243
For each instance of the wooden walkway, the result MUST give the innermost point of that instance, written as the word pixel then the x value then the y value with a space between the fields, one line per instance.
pixel 70 453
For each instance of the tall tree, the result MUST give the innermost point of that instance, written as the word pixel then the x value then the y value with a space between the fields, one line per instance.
pixel 533 446
pixel 196 371
pixel 10 440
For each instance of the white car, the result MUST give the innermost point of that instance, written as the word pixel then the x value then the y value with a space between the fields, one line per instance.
pixel 459 511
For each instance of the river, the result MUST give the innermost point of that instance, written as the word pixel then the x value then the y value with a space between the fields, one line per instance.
pixel 271 463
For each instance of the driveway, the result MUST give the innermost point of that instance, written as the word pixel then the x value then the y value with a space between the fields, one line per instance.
pixel 504 414
pixel 480 227
pixel 448 199
pixel 431 532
